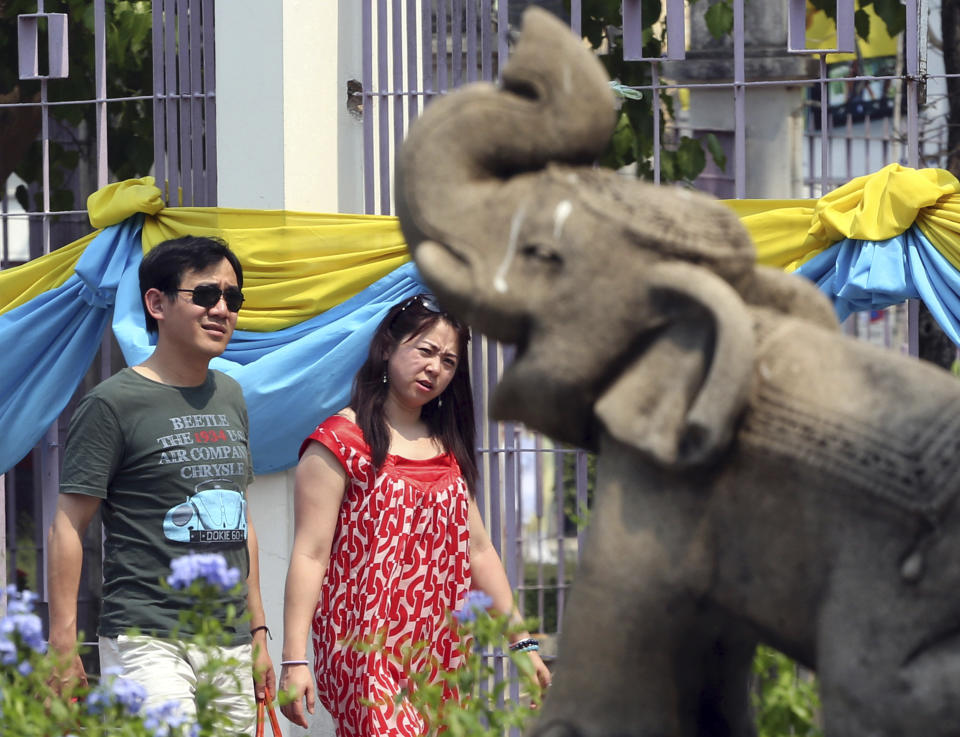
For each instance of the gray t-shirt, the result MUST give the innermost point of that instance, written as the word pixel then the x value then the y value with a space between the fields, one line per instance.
pixel 172 466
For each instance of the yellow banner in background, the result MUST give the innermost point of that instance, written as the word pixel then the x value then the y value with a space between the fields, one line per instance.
pixel 822 34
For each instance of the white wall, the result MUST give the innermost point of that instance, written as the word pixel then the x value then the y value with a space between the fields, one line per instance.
pixel 286 141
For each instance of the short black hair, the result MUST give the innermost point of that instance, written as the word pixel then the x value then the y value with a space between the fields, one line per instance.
pixel 166 263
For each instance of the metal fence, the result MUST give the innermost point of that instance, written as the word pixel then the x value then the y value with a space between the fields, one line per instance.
pixel 125 90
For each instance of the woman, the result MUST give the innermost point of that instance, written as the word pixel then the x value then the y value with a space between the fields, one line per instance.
pixel 388 535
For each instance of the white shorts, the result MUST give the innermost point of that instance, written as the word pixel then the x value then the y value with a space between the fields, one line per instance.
pixel 171 669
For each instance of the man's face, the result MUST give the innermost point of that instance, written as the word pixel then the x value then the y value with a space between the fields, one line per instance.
pixel 196 330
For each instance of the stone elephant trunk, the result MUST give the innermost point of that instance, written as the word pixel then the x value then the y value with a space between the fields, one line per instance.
pixel 453 164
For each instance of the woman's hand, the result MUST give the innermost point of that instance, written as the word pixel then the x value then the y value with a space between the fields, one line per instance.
pixel 297 682
pixel 544 677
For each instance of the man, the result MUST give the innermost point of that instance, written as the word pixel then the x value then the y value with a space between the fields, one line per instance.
pixel 162 447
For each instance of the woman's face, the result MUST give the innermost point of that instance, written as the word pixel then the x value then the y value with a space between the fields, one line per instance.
pixel 422 366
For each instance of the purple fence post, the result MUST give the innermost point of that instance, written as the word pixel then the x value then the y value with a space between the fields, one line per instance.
pixel 655 94
pixel 413 99
pixel 369 206
pixel 159 100
pixel 477 351
pixel 209 104
pixel 913 143
pixel 195 141
pixel 426 56
pixel 184 131
pixel 170 84
pixel 739 103
pixel 825 126
pixel 470 27
pixel 441 46
pixel 397 42
pixel 486 41
pixel 456 42
pixel 383 107
pixel 100 77
pixel 503 28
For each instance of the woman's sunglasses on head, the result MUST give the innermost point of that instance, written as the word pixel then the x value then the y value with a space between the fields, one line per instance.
pixel 426 300
pixel 207 295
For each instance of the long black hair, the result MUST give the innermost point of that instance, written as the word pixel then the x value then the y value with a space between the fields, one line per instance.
pixel 449 417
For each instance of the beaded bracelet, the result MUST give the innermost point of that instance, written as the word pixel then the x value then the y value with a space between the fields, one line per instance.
pixel 522 646
pixel 263 627
pixel 294 662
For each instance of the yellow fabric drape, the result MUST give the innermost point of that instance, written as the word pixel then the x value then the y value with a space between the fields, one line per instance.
pixel 297 265
pixel 22 283
pixel 875 207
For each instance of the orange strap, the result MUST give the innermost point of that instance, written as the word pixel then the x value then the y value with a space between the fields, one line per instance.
pixel 265 705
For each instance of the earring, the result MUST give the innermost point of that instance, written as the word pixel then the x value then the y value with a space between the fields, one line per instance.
pixel 384 376
pixel 439 402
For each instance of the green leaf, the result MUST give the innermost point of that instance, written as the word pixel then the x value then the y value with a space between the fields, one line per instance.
pixel 690 158
pixel 719 17
pixel 861 22
pixel 23 198
pixel 893 13
pixel 716 151
pixel 668 166
pixel 650 11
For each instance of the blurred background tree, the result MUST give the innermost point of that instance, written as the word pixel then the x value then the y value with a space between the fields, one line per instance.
pixel 130 123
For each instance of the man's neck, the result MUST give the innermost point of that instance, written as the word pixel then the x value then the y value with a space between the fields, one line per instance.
pixel 173 372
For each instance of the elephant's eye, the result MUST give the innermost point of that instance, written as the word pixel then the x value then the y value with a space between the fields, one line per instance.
pixel 542 253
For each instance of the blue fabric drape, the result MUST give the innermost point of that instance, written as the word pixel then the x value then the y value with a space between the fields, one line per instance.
pixel 870 275
pixel 49 342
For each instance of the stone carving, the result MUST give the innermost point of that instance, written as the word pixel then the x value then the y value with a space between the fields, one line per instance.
pixel 761 477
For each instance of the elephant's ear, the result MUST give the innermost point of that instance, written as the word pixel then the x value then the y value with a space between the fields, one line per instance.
pixel 679 399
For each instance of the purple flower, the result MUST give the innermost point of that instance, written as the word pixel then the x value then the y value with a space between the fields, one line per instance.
pixel 122 691
pixel 129 693
pixel 19 603
pixel 8 652
pixel 211 567
pixel 21 622
pixel 160 719
pixel 476 603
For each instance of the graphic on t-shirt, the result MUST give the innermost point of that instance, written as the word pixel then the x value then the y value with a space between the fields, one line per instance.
pixel 216 513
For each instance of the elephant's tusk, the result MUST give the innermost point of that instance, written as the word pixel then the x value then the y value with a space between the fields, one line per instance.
pixel 499 280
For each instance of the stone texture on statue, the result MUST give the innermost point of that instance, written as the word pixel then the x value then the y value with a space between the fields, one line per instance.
pixel 761 477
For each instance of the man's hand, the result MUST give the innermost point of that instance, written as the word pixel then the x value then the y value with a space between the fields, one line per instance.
pixel 263 674
pixel 68 674
pixel 297 682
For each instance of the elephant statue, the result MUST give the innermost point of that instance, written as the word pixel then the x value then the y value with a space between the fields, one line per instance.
pixel 762 478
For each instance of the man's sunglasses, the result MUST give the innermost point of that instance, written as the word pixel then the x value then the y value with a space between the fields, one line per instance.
pixel 207 295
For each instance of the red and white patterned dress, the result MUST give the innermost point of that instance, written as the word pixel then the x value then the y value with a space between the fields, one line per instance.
pixel 399 565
